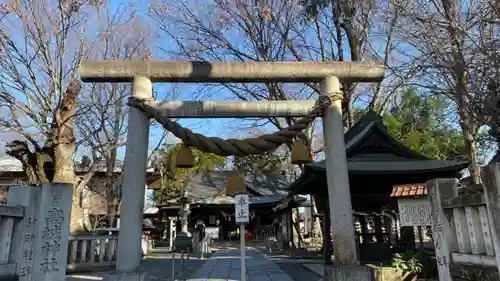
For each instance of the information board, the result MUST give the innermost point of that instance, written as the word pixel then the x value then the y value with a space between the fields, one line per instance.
pixel 414 211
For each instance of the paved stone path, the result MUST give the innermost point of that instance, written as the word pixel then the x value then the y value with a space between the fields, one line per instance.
pixel 298 271
pixel 225 266
pixel 158 266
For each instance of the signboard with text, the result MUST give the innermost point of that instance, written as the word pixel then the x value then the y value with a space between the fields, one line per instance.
pixel 212 232
pixel 241 208
pixel 414 211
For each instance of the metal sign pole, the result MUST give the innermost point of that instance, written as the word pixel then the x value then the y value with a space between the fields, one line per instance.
pixel 242 249
pixel 242 216
pixel 173 265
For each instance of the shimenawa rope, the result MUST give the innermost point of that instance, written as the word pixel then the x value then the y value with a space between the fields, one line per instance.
pixel 236 147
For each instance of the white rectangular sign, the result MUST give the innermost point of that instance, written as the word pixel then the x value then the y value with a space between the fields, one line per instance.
pixel 241 209
pixel 414 211
pixel 212 232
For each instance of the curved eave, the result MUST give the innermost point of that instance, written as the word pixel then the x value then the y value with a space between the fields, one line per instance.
pixel 372 123
pixel 313 172
pixel 398 167
pixel 304 177
pixel 229 201
pixel 290 202
pixel 295 188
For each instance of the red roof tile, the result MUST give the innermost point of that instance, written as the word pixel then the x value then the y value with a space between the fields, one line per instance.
pixel 155 185
pixel 409 190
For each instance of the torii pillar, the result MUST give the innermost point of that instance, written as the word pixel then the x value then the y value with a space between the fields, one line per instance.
pixel 328 74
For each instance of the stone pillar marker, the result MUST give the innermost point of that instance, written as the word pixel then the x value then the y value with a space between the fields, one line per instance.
pixel 23 236
pixel 491 185
pixel 462 231
pixel 488 243
pixel 440 189
pixel 477 242
pixel 41 240
pixel 134 181
pixel 52 230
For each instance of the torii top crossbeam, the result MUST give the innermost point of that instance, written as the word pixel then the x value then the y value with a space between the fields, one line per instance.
pixel 244 72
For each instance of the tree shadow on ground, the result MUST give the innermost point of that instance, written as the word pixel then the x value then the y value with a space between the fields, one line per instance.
pixel 158 268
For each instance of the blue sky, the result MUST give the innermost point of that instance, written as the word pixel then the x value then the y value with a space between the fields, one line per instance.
pixel 210 127
pixel 185 91
pixel 225 128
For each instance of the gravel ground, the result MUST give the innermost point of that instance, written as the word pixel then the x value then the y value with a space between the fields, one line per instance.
pixel 158 266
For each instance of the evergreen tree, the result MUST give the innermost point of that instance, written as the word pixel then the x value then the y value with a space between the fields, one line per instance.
pixel 259 163
pixel 422 123
pixel 173 177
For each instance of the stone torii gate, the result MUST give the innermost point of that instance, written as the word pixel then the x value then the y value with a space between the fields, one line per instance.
pixel 143 73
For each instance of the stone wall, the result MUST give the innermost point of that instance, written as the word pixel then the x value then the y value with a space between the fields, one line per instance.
pixel 466 227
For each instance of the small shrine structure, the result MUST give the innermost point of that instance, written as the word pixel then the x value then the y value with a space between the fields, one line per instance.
pixel 376 163
pixel 208 201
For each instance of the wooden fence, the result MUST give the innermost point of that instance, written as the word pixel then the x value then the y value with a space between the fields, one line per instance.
pixel 466 227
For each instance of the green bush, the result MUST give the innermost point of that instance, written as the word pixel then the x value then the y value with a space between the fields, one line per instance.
pixel 408 263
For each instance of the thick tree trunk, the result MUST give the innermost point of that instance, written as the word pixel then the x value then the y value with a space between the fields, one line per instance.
pixel 76 224
pixel 468 123
pixel 64 148
pixel 54 161
pixel 468 132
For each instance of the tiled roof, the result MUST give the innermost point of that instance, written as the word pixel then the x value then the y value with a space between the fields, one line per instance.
pixel 212 183
pixel 209 187
pixel 156 184
pixel 371 149
pixel 409 190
